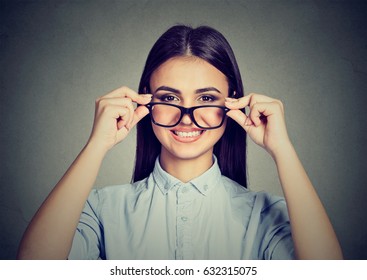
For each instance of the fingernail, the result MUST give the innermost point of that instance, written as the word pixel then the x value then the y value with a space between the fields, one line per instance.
pixel 231 100
pixel 147 96
pixel 247 122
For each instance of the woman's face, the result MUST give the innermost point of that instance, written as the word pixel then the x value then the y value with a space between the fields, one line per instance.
pixel 187 82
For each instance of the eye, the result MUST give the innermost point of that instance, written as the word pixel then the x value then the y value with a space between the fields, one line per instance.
pixel 207 98
pixel 168 98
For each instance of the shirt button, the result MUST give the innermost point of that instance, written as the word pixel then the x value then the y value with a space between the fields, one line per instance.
pixel 206 187
pixel 185 189
pixel 184 219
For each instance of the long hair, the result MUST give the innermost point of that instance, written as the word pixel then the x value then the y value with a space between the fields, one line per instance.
pixel 210 45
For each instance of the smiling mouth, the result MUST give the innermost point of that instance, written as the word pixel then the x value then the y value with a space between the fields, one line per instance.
pixel 188 134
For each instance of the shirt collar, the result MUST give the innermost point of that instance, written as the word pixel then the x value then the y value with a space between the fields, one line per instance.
pixel 204 183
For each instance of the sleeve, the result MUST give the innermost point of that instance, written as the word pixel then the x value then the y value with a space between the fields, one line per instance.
pixel 274 238
pixel 88 239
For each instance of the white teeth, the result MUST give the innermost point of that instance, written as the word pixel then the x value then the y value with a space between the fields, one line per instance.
pixel 188 134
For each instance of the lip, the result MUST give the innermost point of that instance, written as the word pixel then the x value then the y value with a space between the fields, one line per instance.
pixel 187 139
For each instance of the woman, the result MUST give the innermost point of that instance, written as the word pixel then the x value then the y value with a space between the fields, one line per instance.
pixel 189 197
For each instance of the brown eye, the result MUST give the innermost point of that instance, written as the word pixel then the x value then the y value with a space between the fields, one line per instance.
pixel 207 98
pixel 168 98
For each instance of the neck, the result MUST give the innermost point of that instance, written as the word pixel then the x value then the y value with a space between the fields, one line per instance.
pixel 185 169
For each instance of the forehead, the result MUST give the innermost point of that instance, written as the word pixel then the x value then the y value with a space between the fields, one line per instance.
pixel 187 72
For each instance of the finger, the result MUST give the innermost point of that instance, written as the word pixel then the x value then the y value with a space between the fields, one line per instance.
pixel 260 112
pixel 241 118
pixel 259 98
pixel 256 111
pixel 120 102
pixel 130 107
pixel 127 92
pixel 140 113
pixel 238 103
pixel 121 119
pixel 121 114
pixel 115 101
pixel 247 100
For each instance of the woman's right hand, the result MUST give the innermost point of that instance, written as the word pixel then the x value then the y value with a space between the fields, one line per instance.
pixel 115 116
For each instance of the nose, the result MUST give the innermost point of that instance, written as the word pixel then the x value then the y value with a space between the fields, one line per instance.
pixel 186 119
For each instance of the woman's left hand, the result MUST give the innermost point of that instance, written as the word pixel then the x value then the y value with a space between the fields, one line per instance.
pixel 265 123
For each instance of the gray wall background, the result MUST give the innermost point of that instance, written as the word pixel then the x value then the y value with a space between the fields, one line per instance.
pixel 57 57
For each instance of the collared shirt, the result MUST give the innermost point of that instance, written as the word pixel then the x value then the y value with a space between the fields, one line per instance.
pixel 210 217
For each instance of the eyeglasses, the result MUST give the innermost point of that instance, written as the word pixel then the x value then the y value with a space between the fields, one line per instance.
pixel 170 115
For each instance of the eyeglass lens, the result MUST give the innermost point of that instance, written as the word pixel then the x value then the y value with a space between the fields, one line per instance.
pixel 205 117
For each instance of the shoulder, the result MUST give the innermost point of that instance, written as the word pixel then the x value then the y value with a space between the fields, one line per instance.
pixel 265 200
pixel 116 193
pixel 240 198
pixel 271 203
pixel 234 188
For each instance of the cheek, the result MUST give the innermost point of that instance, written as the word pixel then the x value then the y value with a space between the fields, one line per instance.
pixel 159 132
pixel 215 135
pixel 220 131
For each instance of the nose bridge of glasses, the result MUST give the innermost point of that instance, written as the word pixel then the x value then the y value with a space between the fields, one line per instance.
pixel 186 111
pixel 186 115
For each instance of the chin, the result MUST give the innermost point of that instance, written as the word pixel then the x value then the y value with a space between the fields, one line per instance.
pixel 187 151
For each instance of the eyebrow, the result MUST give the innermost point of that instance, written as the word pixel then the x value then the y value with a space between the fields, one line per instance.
pixel 200 90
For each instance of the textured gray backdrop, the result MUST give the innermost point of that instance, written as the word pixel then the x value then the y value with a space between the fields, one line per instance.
pixel 57 57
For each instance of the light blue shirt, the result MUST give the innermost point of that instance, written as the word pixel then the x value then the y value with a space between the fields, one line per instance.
pixel 210 217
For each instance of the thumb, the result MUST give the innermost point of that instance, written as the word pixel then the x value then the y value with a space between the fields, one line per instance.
pixel 144 98
pixel 241 118
pixel 139 113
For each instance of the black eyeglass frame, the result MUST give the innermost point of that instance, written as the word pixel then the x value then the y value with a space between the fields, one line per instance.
pixel 186 111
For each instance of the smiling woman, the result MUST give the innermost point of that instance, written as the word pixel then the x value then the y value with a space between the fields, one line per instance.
pixel 189 82
pixel 188 198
